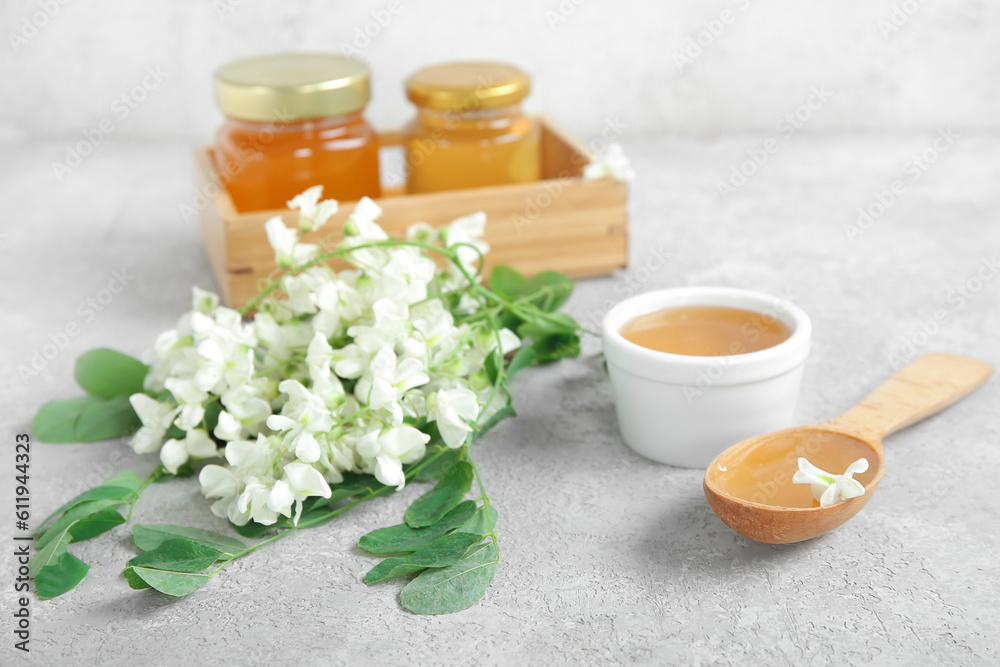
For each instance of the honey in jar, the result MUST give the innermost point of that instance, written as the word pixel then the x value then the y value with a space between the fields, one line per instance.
pixel 293 121
pixel 469 130
pixel 706 331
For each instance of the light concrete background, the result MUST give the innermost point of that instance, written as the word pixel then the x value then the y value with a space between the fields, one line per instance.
pixel 607 558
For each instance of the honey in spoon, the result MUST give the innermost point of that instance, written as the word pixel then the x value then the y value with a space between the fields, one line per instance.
pixel 763 474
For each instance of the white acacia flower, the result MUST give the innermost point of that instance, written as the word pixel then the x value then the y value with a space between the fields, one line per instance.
pixel 361 224
pixel 451 409
pixel 302 290
pixel 298 483
pixel 325 384
pixel 192 400
pixel 384 381
pixel 288 252
pixel 339 305
pixel 253 457
pixel 197 444
pixel 465 232
pixel 828 488
pixel 228 428
pixel 247 406
pixel 202 301
pixel 156 418
pixel 304 416
pixel 385 452
pixel 223 365
pixel 361 229
pixel 253 502
pixel 313 213
pixel 421 232
pixel 613 162
pixel 390 324
pixel 281 339
pixel 486 341
pixel 221 484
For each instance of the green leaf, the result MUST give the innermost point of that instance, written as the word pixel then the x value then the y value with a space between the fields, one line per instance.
pixel 252 529
pixel 135 582
pixel 177 584
pixel 446 494
pixel 394 539
pixel 63 575
pixel 179 555
pixel 85 419
pixel 54 569
pixel 150 536
pixel 49 553
pixel 319 511
pixel 96 524
pixel 436 469
pixel 482 522
pixel 212 412
pixel 453 588
pixel 126 479
pixel 77 513
pixel 493 364
pixel 54 422
pixel 493 420
pixel 554 323
pixel 111 418
pixel 121 486
pixel 442 552
pixel 107 373
pixel 555 347
pixel 552 289
pixel 524 357
pixel 507 282
pixel 353 485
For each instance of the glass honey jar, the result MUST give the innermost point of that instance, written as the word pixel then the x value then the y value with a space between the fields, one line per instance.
pixel 294 120
pixel 469 130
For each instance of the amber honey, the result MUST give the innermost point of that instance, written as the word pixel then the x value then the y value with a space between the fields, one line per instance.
pixel 266 164
pixel 763 474
pixel 293 121
pixel 706 331
pixel 469 130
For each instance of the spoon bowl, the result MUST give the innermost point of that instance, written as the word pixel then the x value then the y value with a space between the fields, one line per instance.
pixel 749 486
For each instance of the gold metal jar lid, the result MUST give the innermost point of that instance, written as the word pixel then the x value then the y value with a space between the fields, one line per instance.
pixel 464 86
pixel 292 86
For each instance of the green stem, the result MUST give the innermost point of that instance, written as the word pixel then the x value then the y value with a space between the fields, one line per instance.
pixel 155 475
pixel 372 493
pixel 341 252
pixel 486 504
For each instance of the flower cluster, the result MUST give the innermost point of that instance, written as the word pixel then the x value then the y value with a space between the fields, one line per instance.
pixel 348 371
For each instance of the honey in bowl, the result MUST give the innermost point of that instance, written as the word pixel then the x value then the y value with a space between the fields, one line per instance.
pixel 763 474
pixel 706 331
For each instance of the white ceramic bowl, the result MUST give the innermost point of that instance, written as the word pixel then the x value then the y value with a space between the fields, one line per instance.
pixel 684 410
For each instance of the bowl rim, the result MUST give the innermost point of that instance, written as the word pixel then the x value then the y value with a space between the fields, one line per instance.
pixel 769 362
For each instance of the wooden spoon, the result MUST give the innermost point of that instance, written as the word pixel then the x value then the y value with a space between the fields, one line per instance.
pixel 927 386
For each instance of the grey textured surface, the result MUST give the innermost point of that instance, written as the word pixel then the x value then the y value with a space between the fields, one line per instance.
pixel 606 557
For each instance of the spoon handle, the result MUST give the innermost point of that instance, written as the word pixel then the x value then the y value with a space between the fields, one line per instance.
pixel 923 388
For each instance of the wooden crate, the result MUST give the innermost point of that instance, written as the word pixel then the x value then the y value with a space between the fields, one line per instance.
pixel 560 223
